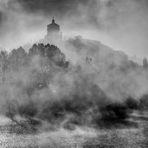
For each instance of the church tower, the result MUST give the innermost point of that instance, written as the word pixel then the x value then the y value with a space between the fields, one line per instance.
pixel 54 35
pixel 53 27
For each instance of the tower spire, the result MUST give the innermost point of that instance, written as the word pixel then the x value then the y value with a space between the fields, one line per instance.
pixel 53 20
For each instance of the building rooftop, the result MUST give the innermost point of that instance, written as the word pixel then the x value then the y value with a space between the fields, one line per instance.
pixel 53 26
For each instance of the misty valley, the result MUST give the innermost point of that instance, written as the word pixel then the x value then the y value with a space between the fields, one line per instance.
pixel 82 86
pixel 85 101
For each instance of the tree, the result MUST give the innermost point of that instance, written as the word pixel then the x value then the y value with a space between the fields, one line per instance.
pixel 3 64
pixel 145 63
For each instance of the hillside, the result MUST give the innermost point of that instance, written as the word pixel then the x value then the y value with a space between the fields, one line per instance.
pixel 79 88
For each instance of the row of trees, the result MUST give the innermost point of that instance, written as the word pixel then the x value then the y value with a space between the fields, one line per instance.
pixel 18 58
pixel 27 73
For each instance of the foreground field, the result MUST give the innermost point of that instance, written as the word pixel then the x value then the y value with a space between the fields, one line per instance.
pixel 134 134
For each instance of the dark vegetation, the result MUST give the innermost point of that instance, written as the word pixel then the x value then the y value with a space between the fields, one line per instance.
pixel 85 105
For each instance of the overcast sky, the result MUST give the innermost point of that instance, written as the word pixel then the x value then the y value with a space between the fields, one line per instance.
pixel 121 24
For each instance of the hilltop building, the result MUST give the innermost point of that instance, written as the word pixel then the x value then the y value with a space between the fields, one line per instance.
pixel 54 35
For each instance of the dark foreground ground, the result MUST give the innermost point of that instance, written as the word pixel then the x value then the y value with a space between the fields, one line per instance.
pixel 133 134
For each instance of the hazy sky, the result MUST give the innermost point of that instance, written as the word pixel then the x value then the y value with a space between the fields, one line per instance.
pixel 121 24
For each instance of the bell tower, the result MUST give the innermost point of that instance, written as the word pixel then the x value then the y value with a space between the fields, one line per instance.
pixel 54 35
pixel 53 27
